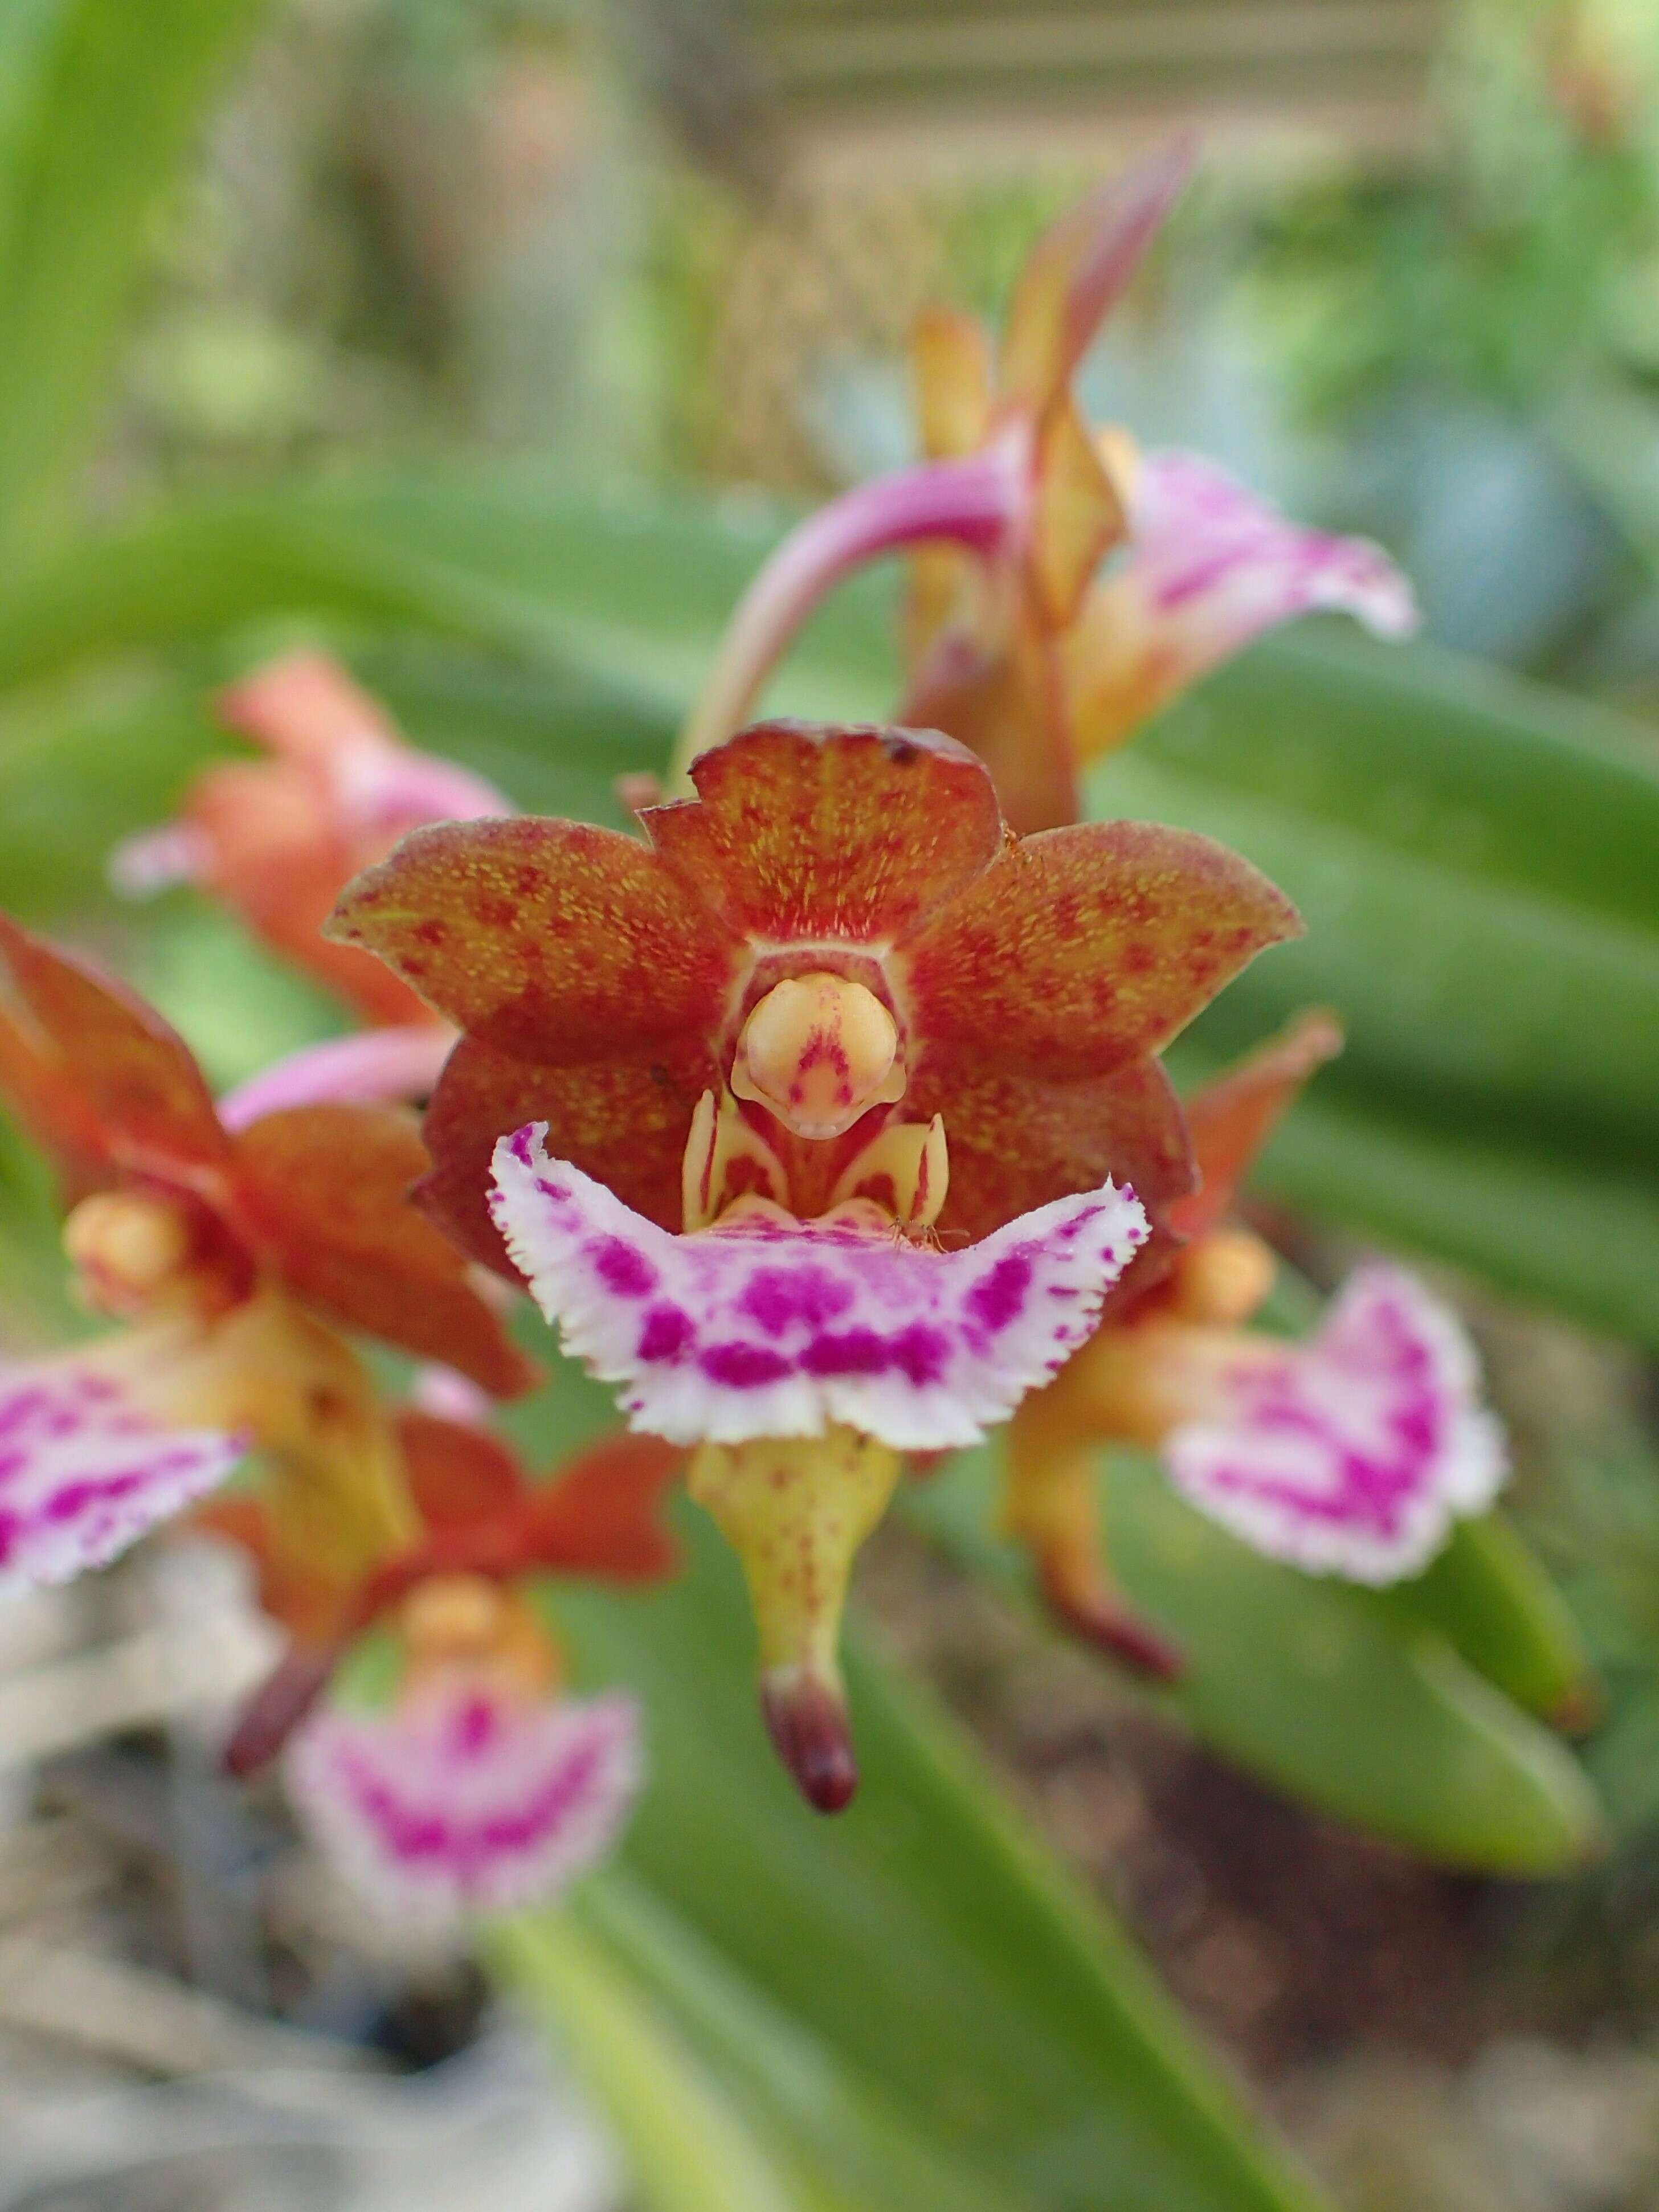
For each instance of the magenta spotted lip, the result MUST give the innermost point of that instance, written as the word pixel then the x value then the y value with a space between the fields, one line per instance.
pixel 1353 1454
pixel 85 1470
pixel 462 1799
pixel 768 1327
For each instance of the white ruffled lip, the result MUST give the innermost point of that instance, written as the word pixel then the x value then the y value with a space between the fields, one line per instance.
pixel 1353 1454
pixel 781 1329
pixel 85 1470
pixel 464 1799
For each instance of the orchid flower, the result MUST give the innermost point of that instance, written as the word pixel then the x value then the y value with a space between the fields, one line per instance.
pixel 820 1123
pixel 484 1785
pixel 1063 587
pixel 231 1262
pixel 1350 1453
pixel 275 840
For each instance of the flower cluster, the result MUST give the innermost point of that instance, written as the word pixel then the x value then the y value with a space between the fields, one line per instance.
pixel 825 1118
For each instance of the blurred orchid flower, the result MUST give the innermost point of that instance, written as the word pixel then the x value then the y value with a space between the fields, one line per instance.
pixel 1020 643
pixel 275 840
pixel 231 1259
pixel 484 1785
pixel 1350 1453
pixel 724 1097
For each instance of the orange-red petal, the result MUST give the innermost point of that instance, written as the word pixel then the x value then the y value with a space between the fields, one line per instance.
pixel 1015 1143
pixel 624 1121
pixel 1083 948
pixel 459 1476
pixel 1231 1118
pixel 555 940
pixel 273 856
pixel 800 830
pixel 323 1191
pixel 603 1513
pixel 78 1034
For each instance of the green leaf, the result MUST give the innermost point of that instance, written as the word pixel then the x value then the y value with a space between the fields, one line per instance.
pixel 688 2149
pixel 924 1937
pixel 842 2144
pixel 1488 1594
pixel 1347 1698
pixel 1470 869
pixel 104 100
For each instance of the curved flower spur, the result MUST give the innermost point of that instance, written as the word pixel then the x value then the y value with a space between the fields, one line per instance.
pixel 821 1121
pixel 1351 1452
pixel 483 1784
pixel 232 1262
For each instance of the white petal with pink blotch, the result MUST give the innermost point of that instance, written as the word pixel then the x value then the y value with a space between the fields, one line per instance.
pixel 1353 1453
pixel 85 1471
pixel 464 1799
pixel 775 1328
pixel 1208 567
pixel 1217 564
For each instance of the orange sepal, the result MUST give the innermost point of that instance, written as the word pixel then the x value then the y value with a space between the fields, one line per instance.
pixel 459 1476
pixel 1077 511
pixel 322 1192
pixel 625 1121
pixel 271 852
pixel 553 940
pixel 1230 1119
pixel 603 1513
pixel 1083 948
pixel 951 370
pixel 127 1084
pixel 310 1605
pixel 804 830
pixel 1015 1143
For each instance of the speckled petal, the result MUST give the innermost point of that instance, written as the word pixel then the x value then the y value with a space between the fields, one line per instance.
pixel 85 1470
pixel 1083 948
pixel 772 1327
pixel 625 1121
pixel 1353 1454
pixel 829 834
pixel 462 1800
pixel 554 940
pixel 1015 1144
pixel 1208 568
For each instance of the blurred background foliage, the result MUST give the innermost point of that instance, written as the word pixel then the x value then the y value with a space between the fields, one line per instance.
pixel 493 342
